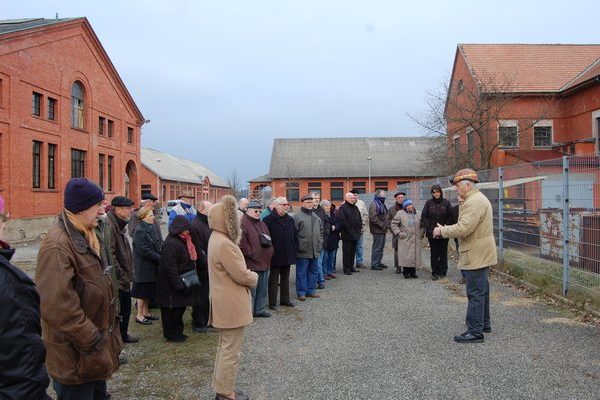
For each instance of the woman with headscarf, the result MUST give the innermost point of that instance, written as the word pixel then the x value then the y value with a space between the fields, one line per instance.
pixel 437 210
pixel 406 225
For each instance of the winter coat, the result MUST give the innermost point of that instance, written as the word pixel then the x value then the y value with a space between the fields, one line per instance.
pixel 201 229
pixel 350 221
pixel 333 235
pixel 475 229
pixel 407 227
pixel 182 209
pixel 258 258
pixel 174 261
pixel 310 233
pixel 364 214
pixel 23 374
pixel 119 250
pixel 378 223
pixel 436 212
pixel 284 236
pixel 146 253
pixel 230 280
pixel 80 324
pixel 134 222
pixel 391 214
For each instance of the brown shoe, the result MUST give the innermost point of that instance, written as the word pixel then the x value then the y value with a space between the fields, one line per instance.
pixel 361 266
pixel 314 295
pixel 332 276
pixel 302 298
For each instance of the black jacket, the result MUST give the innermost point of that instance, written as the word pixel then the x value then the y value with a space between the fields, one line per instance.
pixel 23 374
pixel 174 261
pixel 332 239
pixel 284 237
pixel 436 212
pixel 146 253
pixel 201 233
pixel 350 221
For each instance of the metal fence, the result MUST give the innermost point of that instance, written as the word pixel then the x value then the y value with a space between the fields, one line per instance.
pixel 541 209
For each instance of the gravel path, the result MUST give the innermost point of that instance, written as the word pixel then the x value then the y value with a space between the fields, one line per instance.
pixel 375 335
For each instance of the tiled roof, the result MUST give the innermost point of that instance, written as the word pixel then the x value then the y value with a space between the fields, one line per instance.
pixel 178 169
pixel 14 25
pixel 530 68
pixel 348 157
pixel 260 179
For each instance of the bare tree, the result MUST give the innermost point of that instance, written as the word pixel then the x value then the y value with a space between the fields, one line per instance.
pixel 479 112
pixel 234 182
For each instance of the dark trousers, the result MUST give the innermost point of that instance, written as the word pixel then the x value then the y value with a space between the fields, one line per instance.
pixel 85 391
pixel 172 322
pixel 279 277
pixel 201 308
pixel 478 293
pixel 125 312
pixel 377 249
pixel 439 256
pixel 348 254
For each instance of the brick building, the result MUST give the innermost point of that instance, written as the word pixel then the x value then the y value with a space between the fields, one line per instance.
pixel 167 177
pixel 333 166
pixel 544 102
pixel 64 112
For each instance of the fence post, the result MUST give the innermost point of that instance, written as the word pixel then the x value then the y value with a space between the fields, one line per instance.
pixel 565 225
pixel 501 214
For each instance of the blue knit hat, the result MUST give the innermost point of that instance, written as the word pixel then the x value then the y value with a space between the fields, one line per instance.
pixel 81 194
pixel 406 203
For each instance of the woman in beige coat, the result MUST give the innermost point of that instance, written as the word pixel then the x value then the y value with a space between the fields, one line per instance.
pixel 406 226
pixel 230 301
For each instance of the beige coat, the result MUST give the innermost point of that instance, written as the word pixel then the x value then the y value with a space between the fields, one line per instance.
pixel 475 229
pixel 407 228
pixel 230 280
pixel 364 213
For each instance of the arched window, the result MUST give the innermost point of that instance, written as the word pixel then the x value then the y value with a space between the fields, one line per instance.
pixel 77 104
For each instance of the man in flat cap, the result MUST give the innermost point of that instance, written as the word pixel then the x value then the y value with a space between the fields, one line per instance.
pixel 121 257
pixel 148 200
pixel 184 208
pixel 475 229
pixel 310 234
pixel 399 197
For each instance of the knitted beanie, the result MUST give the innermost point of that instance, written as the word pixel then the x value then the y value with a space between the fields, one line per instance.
pixel 81 194
pixel 406 203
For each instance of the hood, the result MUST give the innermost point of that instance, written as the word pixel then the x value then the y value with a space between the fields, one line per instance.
pixel 180 224
pixel 223 217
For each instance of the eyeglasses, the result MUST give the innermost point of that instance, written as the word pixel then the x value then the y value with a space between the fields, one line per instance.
pixel 256 211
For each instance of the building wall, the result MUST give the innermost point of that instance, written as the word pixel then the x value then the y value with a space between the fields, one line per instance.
pixel 48 62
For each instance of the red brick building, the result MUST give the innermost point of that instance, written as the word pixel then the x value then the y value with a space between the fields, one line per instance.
pixel 167 177
pixel 545 102
pixel 333 166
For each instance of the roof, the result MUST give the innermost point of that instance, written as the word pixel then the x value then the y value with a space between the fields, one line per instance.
pixel 178 169
pixel 348 157
pixel 531 68
pixel 15 25
pixel 262 178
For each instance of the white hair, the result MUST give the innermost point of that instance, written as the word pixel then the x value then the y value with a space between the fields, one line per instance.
pixel 324 203
pixel 281 200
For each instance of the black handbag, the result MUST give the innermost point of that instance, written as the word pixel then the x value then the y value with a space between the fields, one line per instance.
pixel 263 238
pixel 191 281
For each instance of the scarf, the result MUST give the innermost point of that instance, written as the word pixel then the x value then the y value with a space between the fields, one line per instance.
pixel 380 205
pixel 187 238
pixel 87 233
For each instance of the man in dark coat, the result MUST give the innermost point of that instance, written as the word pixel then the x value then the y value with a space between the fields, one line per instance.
pixel 285 241
pixel 319 212
pixel 121 258
pixel 310 243
pixel 399 197
pixel 23 374
pixel 200 234
pixel 437 210
pixel 378 225
pixel 350 222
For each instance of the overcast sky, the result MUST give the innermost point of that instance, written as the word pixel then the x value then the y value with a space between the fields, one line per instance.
pixel 219 80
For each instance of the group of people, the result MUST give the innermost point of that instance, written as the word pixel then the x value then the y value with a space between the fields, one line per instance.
pixel 241 254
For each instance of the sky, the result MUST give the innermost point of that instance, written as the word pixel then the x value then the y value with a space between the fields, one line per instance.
pixel 219 80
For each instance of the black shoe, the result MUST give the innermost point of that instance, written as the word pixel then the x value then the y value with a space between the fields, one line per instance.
pixel 288 304
pixel 130 339
pixel 487 330
pixel 383 266
pixel 151 317
pixel 407 276
pixel 468 337
pixel 354 270
pixel 178 339
pixel 413 276
pixel 272 307
pixel 144 321
pixel 435 278
pixel 263 314
pixel 348 273
pixel 199 329
pixel 398 271
pixel 376 268
pixel 321 286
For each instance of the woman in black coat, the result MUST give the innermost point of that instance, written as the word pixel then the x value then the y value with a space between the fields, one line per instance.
pixel 146 256
pixel 437 210
pixel 178 256
pixel 331 240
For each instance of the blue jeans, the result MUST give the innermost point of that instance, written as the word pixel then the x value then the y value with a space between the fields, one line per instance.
pixel 260 292
pixel 329 261
pixel 306 276
pixel 359 250
pixel 85 391
pixel 321 268
pixel 478 293
pixel 377 249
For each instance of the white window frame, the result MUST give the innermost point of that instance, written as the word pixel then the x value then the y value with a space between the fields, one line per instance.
pixel 506 123
pixel 544 123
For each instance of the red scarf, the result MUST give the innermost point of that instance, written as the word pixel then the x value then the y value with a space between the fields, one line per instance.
pixel 187 238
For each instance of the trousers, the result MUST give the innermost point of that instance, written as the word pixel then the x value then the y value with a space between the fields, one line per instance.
pixel 227 359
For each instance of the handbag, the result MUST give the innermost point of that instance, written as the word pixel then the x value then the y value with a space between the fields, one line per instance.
pixel 263 238
pixel 190 280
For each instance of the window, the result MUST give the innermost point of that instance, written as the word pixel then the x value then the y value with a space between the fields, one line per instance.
pixel 314 187
pixel 37 154
pixel 146 189
pixel 110 127
pixel 460 86
pixel 101 170
pixel 77 163
pixel 292 191
pixel 337 190
pixel 470 141
pixel 542 136
pixel 109 175
pixel 36 104
pixel 400 183
pixel 508 136
pixel 359 187
pixel 51 166
pixel 101 123
pixel 77 105
pixel 456 143
pixel 51 111
pixel 381 185
pixel 129 135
